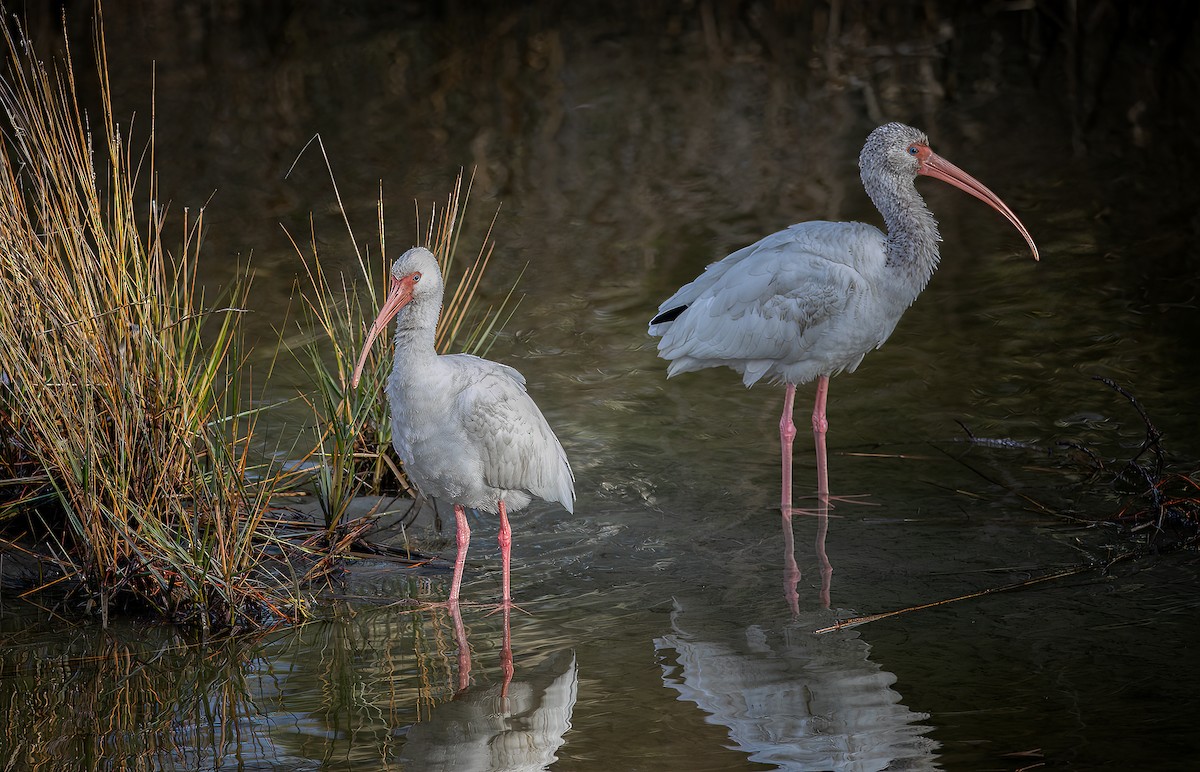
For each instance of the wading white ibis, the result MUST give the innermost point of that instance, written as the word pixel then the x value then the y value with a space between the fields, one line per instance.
pixel 810 301
pixel 465 427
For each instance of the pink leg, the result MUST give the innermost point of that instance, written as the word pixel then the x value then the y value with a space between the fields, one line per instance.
pixel 820 426
pixel 505 553
pixel 462 538
pixel 787 433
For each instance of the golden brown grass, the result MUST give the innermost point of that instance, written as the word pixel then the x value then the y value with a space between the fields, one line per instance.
pixel 120 378
pixel 124 444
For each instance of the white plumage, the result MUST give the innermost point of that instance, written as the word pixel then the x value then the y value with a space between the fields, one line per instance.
pixel 812 300
pixel 470 434
pixel 465 427
pixel 802 302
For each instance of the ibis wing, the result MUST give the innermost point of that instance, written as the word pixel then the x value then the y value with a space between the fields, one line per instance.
pixel 770 306
pixel 519 450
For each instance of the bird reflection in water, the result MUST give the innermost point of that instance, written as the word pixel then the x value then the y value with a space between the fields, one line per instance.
pixel 518 724
pixel 464 650
pixel 791 699
pixel 791 569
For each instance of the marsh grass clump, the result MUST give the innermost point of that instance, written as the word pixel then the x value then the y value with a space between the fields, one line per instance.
pixel 120 377
pixel 354 453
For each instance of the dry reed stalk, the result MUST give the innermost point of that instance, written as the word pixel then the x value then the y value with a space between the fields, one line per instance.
pixel 124 377
pixel 845 624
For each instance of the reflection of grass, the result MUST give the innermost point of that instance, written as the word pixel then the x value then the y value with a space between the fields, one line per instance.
pixel 93 699
pixel 141 698
pixel 355 449
pixel 120 382
pixel 359 680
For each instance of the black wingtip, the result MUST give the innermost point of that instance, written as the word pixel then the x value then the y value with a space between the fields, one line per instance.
pixel 669 315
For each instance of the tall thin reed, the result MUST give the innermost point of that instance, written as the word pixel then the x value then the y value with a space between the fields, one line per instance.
pixel 124 375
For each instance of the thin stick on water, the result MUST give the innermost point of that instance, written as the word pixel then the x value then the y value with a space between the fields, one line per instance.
pixel 856 621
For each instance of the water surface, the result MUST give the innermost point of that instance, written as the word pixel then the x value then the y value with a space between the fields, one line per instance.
pixel 628 150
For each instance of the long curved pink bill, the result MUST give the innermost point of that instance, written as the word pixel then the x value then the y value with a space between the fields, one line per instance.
pixel 399 295
pixel 939 168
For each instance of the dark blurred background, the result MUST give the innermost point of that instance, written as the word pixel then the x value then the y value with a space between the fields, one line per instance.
pixel 609 112
pixel 628 144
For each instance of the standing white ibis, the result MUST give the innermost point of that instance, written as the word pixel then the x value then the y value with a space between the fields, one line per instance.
pixel 810 301
pixel 465 427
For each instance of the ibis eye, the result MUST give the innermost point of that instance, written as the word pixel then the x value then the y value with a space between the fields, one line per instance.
pixel 416 277
pixel 912 150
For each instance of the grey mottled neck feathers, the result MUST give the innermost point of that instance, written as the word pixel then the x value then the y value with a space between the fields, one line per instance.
pixel 912 231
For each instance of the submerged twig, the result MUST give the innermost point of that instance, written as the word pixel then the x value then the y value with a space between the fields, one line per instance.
pixel 1157 498
pixel 856 621
pixel 1153 439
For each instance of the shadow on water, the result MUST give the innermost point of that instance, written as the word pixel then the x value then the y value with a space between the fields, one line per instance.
pixel 630 147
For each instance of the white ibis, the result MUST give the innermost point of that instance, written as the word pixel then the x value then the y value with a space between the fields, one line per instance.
pixel 465 427
pixel 810 301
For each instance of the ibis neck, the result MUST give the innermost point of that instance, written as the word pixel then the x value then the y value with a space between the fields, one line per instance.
pixel 416 333
pixel 912 231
